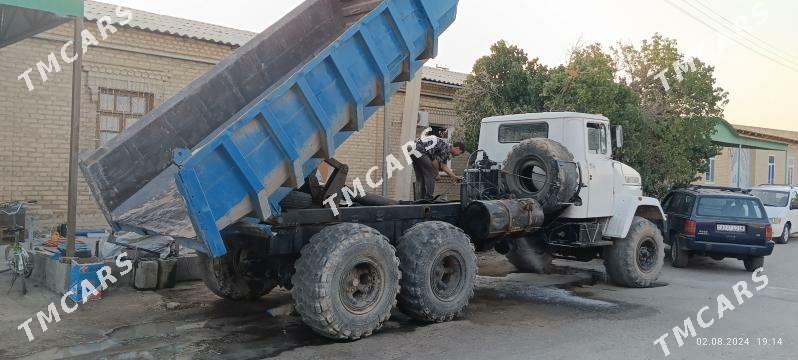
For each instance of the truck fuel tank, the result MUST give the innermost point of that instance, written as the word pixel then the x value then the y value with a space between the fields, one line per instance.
pixel 485 220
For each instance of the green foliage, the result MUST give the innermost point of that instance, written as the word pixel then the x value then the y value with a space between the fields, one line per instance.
pixel 667 131
pixel 507 82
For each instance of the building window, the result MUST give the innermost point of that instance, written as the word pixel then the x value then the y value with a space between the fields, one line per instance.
pixel 118 110
pixel 709 176
pixel 771 169
pixel 791 172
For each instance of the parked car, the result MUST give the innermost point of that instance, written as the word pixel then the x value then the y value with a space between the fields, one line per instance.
pixel 719 223
pixel 781 204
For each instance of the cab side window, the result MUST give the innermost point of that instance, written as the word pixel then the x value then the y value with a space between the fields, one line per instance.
pixel 794 202
pixel 596 138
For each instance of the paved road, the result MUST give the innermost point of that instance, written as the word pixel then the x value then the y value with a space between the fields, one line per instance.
pixel 519 316
pixel 625 329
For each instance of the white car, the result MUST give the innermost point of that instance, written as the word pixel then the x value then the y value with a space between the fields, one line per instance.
pixel 781 204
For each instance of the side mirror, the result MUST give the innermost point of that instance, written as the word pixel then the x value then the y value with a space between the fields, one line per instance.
pixel 617 136
pixel 793 206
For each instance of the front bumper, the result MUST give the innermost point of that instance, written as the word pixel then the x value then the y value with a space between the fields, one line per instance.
pixel 730 249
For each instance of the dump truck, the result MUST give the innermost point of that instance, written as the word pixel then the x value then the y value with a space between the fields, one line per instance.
pixel 228 167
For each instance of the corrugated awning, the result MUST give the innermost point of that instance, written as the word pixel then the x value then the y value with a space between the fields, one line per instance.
pixel 726 135
pixel 21 19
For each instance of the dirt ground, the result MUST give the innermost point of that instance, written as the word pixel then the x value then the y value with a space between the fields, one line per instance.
pixel 569 315
pixel 185 322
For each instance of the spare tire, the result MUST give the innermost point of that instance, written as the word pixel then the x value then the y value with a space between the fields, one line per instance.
pixel 544 170
pixel 297 200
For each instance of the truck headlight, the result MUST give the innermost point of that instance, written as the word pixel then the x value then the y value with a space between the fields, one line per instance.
pixel 632 180
pixel 775 221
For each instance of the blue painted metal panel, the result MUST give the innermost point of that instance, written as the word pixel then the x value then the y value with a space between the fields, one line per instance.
pixel 253 164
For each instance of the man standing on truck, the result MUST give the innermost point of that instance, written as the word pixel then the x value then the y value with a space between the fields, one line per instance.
pixel 435 154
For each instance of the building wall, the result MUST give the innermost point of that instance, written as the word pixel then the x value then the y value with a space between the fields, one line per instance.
pixel 34 143
pixel 758 169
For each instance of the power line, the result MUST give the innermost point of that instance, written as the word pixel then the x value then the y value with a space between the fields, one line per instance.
pixel 788 66
pixel 735 29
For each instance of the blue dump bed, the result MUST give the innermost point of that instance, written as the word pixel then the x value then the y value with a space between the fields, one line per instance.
pixel 236 141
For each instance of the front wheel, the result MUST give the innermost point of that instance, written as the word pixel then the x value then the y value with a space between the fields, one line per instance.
pixel 346 281
pixel 636 260
pixel 439 269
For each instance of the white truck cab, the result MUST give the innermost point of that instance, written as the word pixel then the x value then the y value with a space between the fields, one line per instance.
pixel 781 204
pixel 611 191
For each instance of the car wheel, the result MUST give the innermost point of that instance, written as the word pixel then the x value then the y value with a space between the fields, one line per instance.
pixel 753 263
pixel 785 237
pixel 679 256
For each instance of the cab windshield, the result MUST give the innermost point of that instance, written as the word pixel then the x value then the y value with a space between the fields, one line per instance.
pixel 772 198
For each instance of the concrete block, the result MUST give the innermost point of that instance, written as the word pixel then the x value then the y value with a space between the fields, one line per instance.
pixel 167 273
pixel 188 268
pixel 146 275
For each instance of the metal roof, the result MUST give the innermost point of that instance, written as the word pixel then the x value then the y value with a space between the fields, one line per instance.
pixel 726 135
pixel 21 19
pixel 164 24
pixel 773 134
pixel 170 25
pixel 444 76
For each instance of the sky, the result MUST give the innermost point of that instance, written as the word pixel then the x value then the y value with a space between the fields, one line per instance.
pixel 760 74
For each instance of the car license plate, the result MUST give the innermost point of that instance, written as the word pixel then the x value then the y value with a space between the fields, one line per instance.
pixel 731 228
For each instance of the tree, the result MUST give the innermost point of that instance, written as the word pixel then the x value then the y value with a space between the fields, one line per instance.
pixel 668 129
pixel 504 82
pixel 680 105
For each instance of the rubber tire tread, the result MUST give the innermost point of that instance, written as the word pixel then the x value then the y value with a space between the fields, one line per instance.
pixel 314 293
pixel 562 183
pixel 222 278
pixel 526 257
pixel 620 259
pixel 417 249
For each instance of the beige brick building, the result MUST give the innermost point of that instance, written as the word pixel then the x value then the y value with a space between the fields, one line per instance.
pixel 755 166
pixel 128 74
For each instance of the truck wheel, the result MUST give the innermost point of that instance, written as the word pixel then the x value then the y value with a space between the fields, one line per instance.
pixel 346 281
pixel 636 260
pixel 679 256
pixel 528 254
pixel 753 263
pixel 439 269
pixel 297 200
pixel 227 276
pixel 541 169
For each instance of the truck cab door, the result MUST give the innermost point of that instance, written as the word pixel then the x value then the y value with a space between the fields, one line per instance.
pixel 599 174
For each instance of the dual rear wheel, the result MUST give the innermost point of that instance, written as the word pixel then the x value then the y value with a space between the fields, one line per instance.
pixel 349 277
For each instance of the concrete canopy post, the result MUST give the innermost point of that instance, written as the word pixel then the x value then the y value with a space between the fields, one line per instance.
pixel 74 139
pixel 412 105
